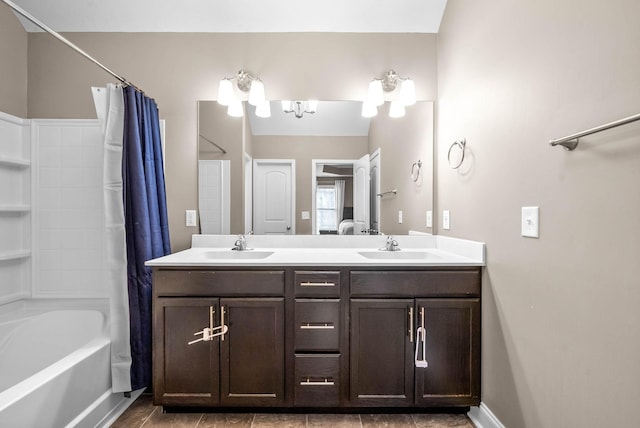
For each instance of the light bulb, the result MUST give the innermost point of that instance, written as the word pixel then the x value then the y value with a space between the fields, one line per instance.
pixel 375 96
pixel 368 109
pixel 235 109
pixel 256 93
pixel 396 109
pixel 225 92
pixel 264 109
pixel 408 92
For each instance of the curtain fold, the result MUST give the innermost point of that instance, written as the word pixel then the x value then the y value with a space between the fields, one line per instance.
pixel 109 105
pixel 339 185
pixel 147 230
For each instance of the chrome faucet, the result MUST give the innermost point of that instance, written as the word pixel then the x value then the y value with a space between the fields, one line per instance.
pixel 391 245
pixel 241 244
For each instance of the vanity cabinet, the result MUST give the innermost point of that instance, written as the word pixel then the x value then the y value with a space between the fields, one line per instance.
pixel 322 338
pixel 243 363
pixel 384 333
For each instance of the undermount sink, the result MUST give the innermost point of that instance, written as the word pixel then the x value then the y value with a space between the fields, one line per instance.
pixel 237 255
pixel 399 255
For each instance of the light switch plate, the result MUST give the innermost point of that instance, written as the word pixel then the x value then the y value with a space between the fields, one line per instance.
pixel 429 218
pixel 304 215
pixel 446 221
pixel 190 218
pixel 530 222
pixel 400 217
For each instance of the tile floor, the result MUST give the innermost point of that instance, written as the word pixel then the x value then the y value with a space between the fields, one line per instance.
pixel 144 414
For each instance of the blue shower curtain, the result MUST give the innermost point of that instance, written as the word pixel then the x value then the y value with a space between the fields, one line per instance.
pixel 146 225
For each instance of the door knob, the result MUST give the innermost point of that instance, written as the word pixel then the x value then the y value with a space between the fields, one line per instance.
pixel 288 227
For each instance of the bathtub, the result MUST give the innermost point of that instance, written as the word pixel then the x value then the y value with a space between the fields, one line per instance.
pixel 55 364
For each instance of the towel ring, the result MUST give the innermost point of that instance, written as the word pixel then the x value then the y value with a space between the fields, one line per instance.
pixel 460 145
pixel 415 170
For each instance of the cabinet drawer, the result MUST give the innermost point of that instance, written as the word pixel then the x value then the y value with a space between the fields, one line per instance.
pixel 317 283
pixel 317 325
pixel 317 380
pixel 436 283
pixel 218 283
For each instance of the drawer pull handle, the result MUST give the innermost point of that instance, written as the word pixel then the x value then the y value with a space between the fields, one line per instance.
pixel 325 326
pixel 317 284
pixel 325 382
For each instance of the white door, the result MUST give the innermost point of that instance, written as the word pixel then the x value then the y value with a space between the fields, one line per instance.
pixel 213 196
pixel 273 197
pixel 361 195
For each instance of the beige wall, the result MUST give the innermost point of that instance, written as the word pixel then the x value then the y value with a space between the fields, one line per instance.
pixel 403 142
pixel 561 323
pixel 178 69
pixel 304 149
pixel 13 66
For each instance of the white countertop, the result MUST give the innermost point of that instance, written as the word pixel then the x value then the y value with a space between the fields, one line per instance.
pixel 322 250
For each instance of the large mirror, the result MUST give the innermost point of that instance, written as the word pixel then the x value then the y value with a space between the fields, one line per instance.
pixel 330 172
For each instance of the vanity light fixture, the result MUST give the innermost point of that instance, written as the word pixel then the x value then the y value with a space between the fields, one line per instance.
pixel 387 89
pixel 299 108
pixel 247 87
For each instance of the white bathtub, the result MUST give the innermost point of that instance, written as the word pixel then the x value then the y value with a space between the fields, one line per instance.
pixel 55 364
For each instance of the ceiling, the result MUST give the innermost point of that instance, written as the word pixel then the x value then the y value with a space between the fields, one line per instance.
pixel 250 16
pixel 332 118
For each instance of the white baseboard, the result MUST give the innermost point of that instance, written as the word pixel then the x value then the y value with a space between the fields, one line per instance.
pixel 483 417
pixel 119 408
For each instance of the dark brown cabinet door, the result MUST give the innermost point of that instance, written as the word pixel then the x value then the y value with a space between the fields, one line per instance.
pixel 452 377
pixel 381 353
pixel 185 374
pixel 252 352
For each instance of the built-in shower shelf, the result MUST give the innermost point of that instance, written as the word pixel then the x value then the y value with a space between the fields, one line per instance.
pixel 14 255
pixel 14 162
pixel 15 208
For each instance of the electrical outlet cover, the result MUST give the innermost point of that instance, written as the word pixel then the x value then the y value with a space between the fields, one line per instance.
pixel 446 221
pixel 190 218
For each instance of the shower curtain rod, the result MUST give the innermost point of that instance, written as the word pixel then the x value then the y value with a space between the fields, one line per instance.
pixel 42 25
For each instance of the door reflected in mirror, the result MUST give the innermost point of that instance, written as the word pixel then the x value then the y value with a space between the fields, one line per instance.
pixel 339 163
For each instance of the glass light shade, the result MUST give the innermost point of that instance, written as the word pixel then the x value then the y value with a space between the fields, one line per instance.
pixel 312 106
pixel 375 95
pixel 235 109
pixel 264 109
pixel 286 105
pixel 408 92
pixel 225 92
pixel 256 93
pixel 396 109
pixel 368 109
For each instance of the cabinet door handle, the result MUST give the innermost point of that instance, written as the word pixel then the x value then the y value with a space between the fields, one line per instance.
pixel 325 382
pixel 323 326
pixel 222 324
pixel 411 324
pixel 317 284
